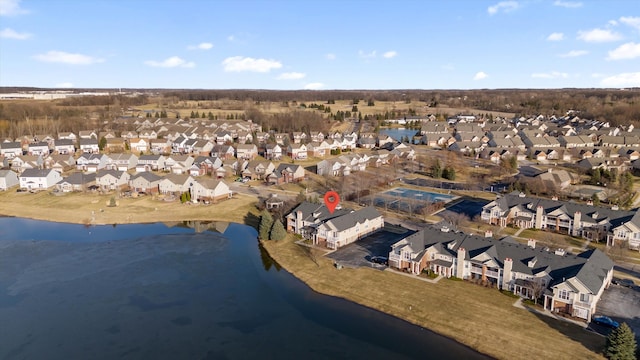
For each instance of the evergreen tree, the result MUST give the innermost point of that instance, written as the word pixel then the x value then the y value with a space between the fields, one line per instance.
pixel 277 231
pixel 266 222
pixel 436 170
pixel 102 144
pixel 354 108
pixel 621 344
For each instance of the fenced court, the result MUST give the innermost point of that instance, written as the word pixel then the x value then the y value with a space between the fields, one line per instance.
pixel 410 201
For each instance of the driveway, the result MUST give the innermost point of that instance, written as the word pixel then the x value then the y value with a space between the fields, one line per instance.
pixel 621 304
pixel 359 253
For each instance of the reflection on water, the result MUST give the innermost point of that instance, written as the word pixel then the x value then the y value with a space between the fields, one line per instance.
pixel 157 292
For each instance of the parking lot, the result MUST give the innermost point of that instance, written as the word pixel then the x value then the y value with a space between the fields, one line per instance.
pixel 621 304
pixel 377 244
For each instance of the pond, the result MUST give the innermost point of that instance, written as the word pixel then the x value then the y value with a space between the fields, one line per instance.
pixel 179 291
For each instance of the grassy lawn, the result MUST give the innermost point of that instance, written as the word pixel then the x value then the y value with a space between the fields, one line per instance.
pixel 479 317
pixel 82 208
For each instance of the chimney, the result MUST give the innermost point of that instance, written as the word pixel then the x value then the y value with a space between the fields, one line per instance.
pixel 506 273
pixel 531 243
pixel 462 254
pixel 577 226
pixel 488 234
pixel 539 213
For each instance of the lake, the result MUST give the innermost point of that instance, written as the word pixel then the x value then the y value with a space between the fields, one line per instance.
pixel 167 291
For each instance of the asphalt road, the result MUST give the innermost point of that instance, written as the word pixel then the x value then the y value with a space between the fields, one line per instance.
pixel 621 304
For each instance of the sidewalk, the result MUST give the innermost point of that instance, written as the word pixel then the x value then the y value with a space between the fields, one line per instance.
pixel 548 313
pixel 433 281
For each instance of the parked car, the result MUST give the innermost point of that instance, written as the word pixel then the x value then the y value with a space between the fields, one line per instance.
pixel 605 321
pixel 379 260
pixel 624 282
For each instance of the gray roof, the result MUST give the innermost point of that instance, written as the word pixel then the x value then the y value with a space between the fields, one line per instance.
pixel 78 178
pixel 149 176
pixel 10 145
pixel 347 221
pixel 36 173
pixel 317 212
pixel 589 267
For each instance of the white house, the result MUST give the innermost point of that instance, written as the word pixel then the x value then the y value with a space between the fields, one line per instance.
pixel 8 179
pixel 39 179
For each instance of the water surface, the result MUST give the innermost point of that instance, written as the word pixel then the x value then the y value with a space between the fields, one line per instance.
pixel 154 291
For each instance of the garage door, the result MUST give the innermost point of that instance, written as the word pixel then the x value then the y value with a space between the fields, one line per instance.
pixel 580 312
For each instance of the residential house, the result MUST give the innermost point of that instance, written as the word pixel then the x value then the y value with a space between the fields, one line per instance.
pixel 210 190
pixel 286 173
pixel 202 147
pixel 115 145
pixel 204 165
pixel 10 149
pixel 146 182
pixel 92 162
pixel 316 136
pixel 39 179
pixel 176 184
pixel 582 220
pixel 178 164
pixel 273 152
pixel 246 151
pixel 331 231
pixel 300 137
pixel 297 151
pixel 568 284
pixel 139 145
pixel 122 162
pixel 87 134
pixel 258 169
pixel 38 148
pixel 64 146
pixel 89 146
pixel 224 152
pixel 68 136
pixel 332 167
pixel 556 179
pixel 8 179
pixel 150 163
pixel 318 149
pixel 76 181
pixel 160 146
pixel 23 162
pixel 60 162
pixel 112 179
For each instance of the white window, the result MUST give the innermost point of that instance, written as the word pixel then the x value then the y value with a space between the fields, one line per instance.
pixel 584 298
pixel 564 295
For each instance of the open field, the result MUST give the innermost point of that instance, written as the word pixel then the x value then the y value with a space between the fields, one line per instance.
pixel 88 208
pixel 481 318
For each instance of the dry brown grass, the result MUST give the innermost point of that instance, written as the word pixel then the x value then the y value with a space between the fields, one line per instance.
pixel 479 317
pixel 85 208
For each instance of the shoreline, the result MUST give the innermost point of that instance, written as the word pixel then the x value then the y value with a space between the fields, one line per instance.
pixel 430 306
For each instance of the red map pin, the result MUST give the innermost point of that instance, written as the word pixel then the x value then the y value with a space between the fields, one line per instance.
pixel 331 200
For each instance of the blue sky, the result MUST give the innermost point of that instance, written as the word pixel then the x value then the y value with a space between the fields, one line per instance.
pixel 244 44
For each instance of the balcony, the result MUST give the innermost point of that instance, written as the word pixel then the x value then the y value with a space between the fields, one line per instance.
pixel 491 273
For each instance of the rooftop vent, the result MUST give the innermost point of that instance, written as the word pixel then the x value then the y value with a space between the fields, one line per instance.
pixel 560 252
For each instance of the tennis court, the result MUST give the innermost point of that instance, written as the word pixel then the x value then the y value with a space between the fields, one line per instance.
pixel 407 200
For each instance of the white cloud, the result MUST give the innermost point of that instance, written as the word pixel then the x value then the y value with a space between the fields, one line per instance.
pixel 631 21
pixel 366 55
pixel 574 53
pixel 291 76
pixel 64 85
pixel 171 62
pixel 390 54
pixel 12 34
pixel 550 75
pixel 201 46
pixel 314 86
pixel 11 8
pixel 330 56
pixel 555 37
pixel 626 51
pixel 480 75
pixel 231 38
pixel 505 6
pixel 622 80
pixel 241 63
pixel 598 35
pixel 67 58
pixel 568 4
